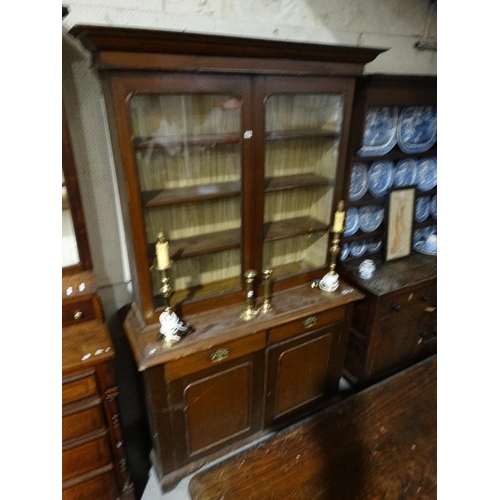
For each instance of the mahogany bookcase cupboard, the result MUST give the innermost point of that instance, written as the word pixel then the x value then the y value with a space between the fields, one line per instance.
pixel 94 462
pixel 234 148
pixel 395 325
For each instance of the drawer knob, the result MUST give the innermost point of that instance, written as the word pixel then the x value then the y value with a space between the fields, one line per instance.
pixel 424 333
pixel 396 307
pixel 78 315
pixel 310 321
pixel 219 355
pixel 425 297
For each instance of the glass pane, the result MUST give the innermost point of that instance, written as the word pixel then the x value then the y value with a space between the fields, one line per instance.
pixel 188 156
pixel 301 156
pixel 70 256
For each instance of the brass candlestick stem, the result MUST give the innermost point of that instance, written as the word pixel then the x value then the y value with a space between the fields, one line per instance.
pixel 334 252
pixel 166 288
pixel 266 304
pixel 249 312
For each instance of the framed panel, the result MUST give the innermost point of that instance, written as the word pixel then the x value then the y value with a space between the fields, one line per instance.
pixel 399 216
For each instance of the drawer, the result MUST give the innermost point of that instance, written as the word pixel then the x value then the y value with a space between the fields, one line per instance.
pixel 216 355
pixel 102 487
pixel 85 457
pixel 78 388
pixel 78 311
pixel 410 301
pixel 303 325
pixel 82 419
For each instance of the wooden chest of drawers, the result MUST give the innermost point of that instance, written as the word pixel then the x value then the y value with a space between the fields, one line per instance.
pixel 395 325
pixel 94 464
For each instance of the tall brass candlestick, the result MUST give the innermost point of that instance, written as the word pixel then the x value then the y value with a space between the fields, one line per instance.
pixel 266 304
pixel 249 312
pixel 337 229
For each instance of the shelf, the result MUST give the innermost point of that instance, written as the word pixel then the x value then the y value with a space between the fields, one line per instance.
pixel 203 244
pixel 430 221
pixel 292 269
pixel 367 199
pixel 395 154
pixel 286 135
pixel 165 142
pixel 285 182
pixel 360 235
pixel 201 291
pixel 282 229
pixel 161 197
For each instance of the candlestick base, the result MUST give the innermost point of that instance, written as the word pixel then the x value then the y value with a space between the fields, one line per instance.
pixel 249 313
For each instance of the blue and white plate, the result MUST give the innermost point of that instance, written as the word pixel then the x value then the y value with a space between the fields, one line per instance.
pixel 344 253
pixel 434 206
pixel 380 134
pixel 417 129
pixel 357 248
pixel 380 177
pixel 427 173
pixel 423 233
pixel 351 221
pixel 370 217
pixel 420 247
pixel 359 181
pixel 374 245
pixel 405 172
pixel 422 208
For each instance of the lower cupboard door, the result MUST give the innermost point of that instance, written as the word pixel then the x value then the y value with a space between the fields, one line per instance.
pixel 218 406
pixel 100 487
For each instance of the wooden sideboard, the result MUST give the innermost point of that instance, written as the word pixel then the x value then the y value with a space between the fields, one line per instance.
pixel 395 324
pixel 231 381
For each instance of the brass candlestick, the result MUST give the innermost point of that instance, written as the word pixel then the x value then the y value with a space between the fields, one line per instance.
pixel 266 304
pixel 166 288
pixel 249 312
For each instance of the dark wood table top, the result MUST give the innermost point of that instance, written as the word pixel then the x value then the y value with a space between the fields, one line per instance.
pixel 380 443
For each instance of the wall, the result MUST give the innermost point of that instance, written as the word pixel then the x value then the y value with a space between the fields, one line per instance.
pixel 393 24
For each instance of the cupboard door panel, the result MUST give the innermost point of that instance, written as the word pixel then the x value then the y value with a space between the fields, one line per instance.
pixel 302 371
pixel 218 406
pixel 102 487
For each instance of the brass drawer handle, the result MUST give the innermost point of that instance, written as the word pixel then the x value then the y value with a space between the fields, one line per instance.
pixel 396 307
pixel 219 355
pixel 78 315
pixel 310 321
pixel 429 309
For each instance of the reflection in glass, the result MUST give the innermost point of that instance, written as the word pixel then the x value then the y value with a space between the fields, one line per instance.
pixel 69 251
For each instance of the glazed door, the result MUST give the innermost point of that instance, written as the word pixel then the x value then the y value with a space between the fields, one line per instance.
pixel 187 162
pixel 300 151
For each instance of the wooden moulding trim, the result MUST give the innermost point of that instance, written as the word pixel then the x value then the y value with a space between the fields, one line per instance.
pixel 99 38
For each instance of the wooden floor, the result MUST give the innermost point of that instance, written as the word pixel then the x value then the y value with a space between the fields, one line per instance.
pixel 377 444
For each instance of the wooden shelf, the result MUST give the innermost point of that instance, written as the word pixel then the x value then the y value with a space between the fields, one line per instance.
pixel 430 221
pixel 161 197
pixel 395 154
pixel 203 244
pixel 201 291
pixel 285 135
pixel 282 229
pixel 285 182
pixel 361 235
pixel 369 199
pixel 165 142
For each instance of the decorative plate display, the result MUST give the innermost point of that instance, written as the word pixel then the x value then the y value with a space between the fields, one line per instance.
pixel 434 206
pixel 344 253
pixel 420 247
pixel 370 217
pixel 405 172
pixel 427 173
pixel 351 221
pixel 359 181
pixel 417 128
pixel 380 134
pixel 374 245
pixel 422 208
pixel 357 248
pixel 380 177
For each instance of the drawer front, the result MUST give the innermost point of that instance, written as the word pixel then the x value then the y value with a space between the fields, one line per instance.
pixel 78 388
pixel 78 311
pixel 85 457
pixel 412 301
pixel 216 356
pixel 81 421
pixel 305 324
pixel 102 487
